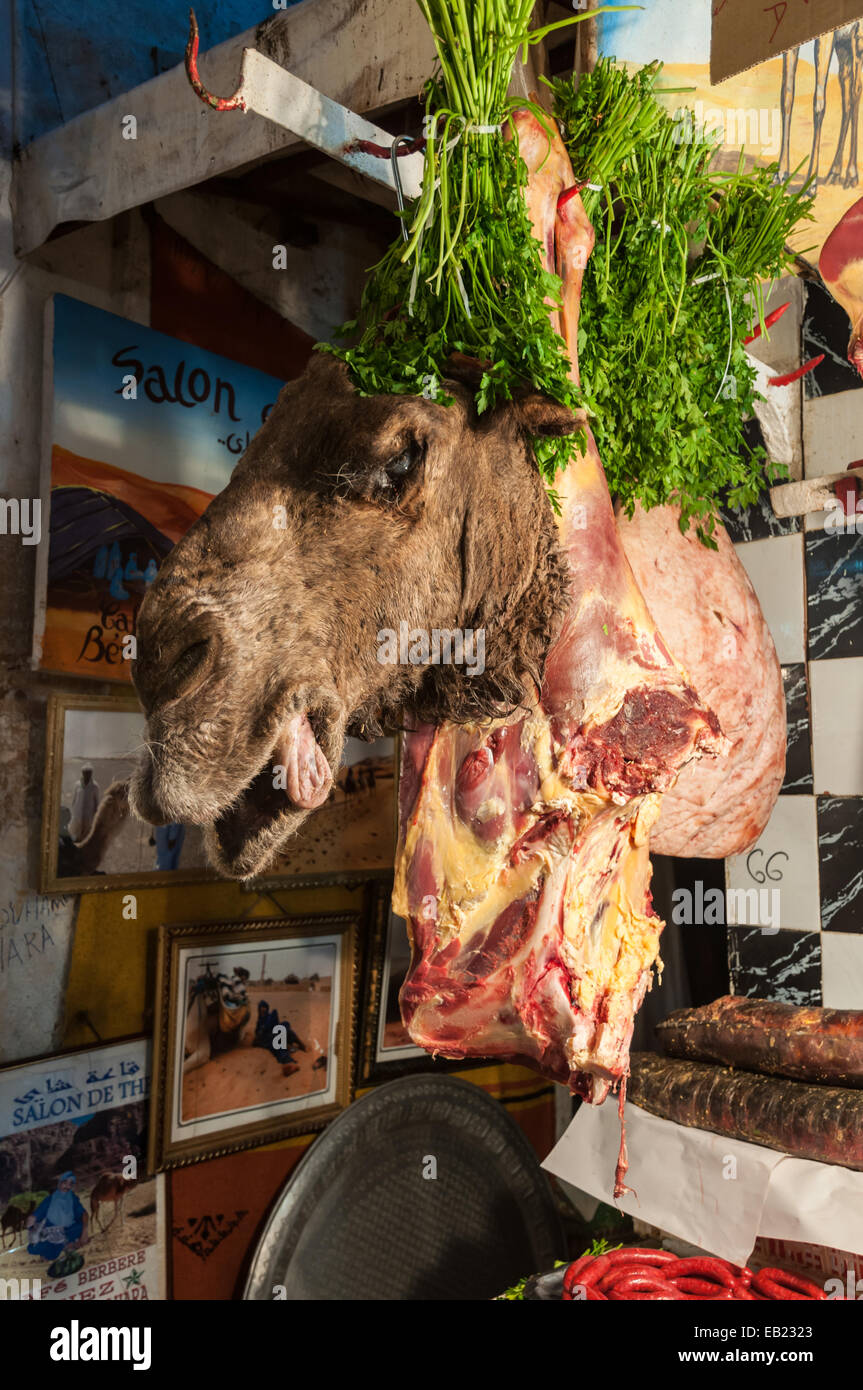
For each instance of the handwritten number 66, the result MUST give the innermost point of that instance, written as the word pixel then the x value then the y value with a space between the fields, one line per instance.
pixel 760 875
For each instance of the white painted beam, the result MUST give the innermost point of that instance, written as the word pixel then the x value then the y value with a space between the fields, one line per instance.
pixel 284 99
pixel 367 56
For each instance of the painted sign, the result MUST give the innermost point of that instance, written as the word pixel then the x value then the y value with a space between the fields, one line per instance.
pixel 744 34
pixel 799 109
pixel 143 431
pixel 79 1215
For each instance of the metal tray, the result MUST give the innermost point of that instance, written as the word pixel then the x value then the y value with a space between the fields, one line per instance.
pixel 361 1218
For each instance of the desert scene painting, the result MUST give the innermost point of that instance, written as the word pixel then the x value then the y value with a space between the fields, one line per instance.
pixel 257 1028
pixel 144 431
pixel 799 110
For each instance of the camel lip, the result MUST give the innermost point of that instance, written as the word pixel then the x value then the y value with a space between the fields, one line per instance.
pixel 245 836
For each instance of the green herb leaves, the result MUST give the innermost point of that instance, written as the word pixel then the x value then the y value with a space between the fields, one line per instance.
pixel 668 295
pixel 470 277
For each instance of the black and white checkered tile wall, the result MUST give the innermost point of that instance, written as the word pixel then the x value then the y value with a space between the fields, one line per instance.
pixel 809 580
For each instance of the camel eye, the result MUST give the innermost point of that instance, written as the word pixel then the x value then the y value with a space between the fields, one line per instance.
pixel 403 463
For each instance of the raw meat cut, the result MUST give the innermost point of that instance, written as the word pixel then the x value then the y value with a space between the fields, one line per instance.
pixel 841 267
pixel 705 606
pixel 824 1123
pixel 808 1044
pixel 523 868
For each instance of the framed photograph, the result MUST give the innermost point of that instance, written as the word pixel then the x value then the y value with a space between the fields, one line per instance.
pixel 89 841
pixel 351 837
pixel 88 838
pixel 81 1218
pixel 254 1033
pixel 385 1050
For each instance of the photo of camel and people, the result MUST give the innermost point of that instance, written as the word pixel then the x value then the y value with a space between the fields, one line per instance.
pixel 257 1028
pixel 96 835
pixel 91 836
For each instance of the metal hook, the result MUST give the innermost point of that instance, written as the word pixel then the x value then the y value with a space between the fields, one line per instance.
pixel 232 103
pixel 397 180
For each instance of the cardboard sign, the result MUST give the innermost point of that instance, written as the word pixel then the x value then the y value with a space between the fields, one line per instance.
pixel 744 33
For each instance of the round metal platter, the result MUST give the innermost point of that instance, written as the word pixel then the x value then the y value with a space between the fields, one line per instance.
pixel 424 1189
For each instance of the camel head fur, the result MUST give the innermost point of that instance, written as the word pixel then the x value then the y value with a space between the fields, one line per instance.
pixel 259 641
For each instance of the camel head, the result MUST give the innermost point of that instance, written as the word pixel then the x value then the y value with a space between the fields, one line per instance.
pixel 259 642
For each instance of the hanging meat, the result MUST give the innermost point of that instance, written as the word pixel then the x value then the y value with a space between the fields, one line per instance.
pixel 523 867
pixel 705 604
pixel 841 266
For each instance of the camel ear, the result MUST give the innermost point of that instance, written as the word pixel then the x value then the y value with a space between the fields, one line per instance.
pixel 539 415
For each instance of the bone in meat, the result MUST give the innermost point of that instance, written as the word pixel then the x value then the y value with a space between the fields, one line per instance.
pixel 706 606
pixel 523 867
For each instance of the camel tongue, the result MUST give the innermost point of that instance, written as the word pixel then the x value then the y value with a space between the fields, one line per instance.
pixel 308 775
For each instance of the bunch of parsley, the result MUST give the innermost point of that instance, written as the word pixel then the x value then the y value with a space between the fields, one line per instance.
pixel 669 294
pixel 469 277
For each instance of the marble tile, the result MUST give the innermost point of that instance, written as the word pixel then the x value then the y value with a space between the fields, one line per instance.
pixel 826 329
pixel 798 751
pixel 840 852
pixel 779 875
pixel 785 967
pixel 836 689
pixel 832 432
pixel 834 589
pixel 775 567
pixel 842 967
pixel 758 521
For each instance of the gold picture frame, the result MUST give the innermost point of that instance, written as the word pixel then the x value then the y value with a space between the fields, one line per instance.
pixel 329 835
pixel 224 1079
pixel 94 729
pixel 384 1051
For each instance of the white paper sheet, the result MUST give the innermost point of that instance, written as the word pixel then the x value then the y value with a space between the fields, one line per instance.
pixel 714 1192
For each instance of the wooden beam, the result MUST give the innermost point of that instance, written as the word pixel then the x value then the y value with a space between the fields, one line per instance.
pixel 367 56
pixel 285 100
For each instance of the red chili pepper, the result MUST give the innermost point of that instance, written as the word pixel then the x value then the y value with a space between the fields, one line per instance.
pixel 568 193
pixel 704 1267
pixel 771 318
pixel 593 1295
pixel 798 372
